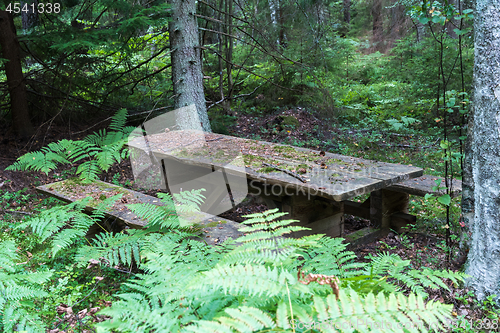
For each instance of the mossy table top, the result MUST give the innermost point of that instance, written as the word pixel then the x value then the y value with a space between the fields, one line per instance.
pixel 324 174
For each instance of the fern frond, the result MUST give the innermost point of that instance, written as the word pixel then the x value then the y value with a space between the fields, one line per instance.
pixel 82 149
pixel 157 216
pixel 267 216
pixel 262 231
pixel 189 201
pixel 95 139
pixel 88 170
pixel 384 262
pixel 330 257
pixel 242 319
pixel 44 161
pixel 392 266
pixel 118 120
pixel 17 318
pixel 268 251
pixel 137 315
pixel 393 313
pixel 8 255
pixel 17 288
pixel 247 279
pixel 115 249
pixel 50 221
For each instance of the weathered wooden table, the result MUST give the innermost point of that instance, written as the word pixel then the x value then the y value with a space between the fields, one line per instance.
pixel 314 187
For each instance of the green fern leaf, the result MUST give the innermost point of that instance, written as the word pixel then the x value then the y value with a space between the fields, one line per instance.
pixel 118 120
pixel 88 170
pixel 242 319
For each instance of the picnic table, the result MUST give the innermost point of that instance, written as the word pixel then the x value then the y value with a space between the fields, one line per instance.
pixel 314 187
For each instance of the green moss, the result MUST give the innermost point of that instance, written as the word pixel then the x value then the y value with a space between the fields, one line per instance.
pixel 72 185
pixel 214 224
pixel 284 149
pixel 266 170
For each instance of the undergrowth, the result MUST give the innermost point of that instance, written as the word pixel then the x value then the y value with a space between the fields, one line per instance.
pixel 262 280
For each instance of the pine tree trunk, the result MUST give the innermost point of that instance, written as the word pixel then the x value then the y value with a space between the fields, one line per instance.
pixel 15 79
pixel 187 76
pixel 484 254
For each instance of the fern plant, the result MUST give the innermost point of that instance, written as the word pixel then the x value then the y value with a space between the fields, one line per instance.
pixel 61 226
pixel 260 281
pixel 97 152
pixel 255 283
pixel 18 290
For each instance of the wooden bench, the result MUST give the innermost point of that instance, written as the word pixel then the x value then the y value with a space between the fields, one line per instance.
pixel 423 185
pixel 417 186
pixel 214 229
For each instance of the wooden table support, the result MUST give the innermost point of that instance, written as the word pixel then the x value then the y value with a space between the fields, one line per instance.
pixel 383 203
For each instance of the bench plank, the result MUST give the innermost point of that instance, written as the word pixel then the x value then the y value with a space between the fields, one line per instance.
pixel 214 229
pixel 423 185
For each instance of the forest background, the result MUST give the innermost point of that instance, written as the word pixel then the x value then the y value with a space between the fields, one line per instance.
pixel 375 79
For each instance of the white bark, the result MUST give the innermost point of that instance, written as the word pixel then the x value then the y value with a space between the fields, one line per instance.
pixel 484 255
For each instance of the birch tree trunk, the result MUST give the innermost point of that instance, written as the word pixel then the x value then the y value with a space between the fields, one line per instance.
pixel 484 254
pixel 187 76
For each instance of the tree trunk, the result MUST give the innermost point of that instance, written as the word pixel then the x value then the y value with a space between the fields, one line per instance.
pixel 281 24
pixel 397 22
pixel 484 254
pixel 467 189
pixel 229 55
pixel 347 11
pixel 420 31
pixel 187 76
pixel 378 29
pixel 29 18
pixel 15 79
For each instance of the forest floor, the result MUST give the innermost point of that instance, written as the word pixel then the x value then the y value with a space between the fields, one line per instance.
pixel 423 248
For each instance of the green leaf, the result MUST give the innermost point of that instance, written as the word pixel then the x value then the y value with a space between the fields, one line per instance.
pixel 428 196
pixel 437 181
pixel 444 144
pixel 451 102
pixel 438 19
pixel 423 19
pixel 444 199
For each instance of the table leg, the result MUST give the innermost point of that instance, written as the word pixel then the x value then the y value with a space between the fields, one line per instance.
pixel 383 203
pixel 320 215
